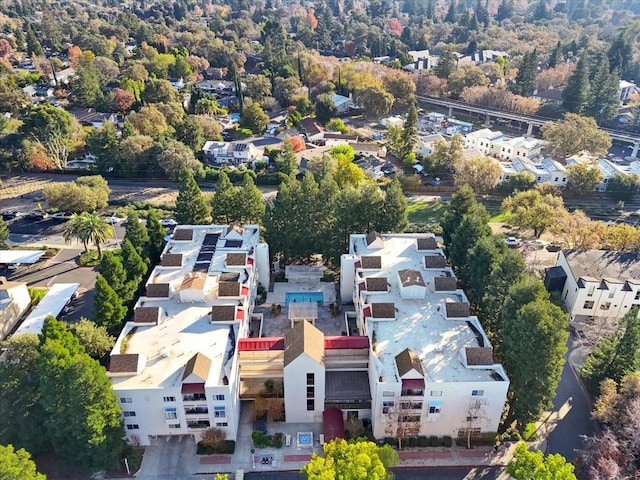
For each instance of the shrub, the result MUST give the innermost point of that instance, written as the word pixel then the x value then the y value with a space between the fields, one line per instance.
pixel 227 447
pixel 447 441
pixel 390 441
pixel 275 178
pixel 213 437
pixel 89 259
pixel 422 441
pixel 529 434
pixel 433 441
pixel 259 439
pixel 411 442
pixel 36 294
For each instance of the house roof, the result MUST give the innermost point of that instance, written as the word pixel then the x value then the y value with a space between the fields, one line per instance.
pixel 340 99
pixel 223 313
pixel 410 278
pixel 183 234
pixel 311 127
pixel 146 314
pixel 172 260
pixel 236 259
pixel 340 136
pixel 123 363
pixel 303 338
pixel 194 280
pixel 158 290
pixel 89 115
pixel 199 366
pixel 377 284
pixel 372 236
pixel 371 261
pixel 229 289
pixel 383 310
pixel 427 243
pixel 435 261
pixel 479 355
pixel 408 360
pixel 445 284
pixel 457 309
pixel 603 264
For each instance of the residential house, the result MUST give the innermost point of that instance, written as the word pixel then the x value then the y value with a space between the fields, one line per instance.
pixel 596 283
pixel 626 90
pixel 430 361
pixel 61 77
pixel 369 149
pixel 485 140
pixel 342 103
pixel 14 302
pixel 332 139
pixel 422 60
pixel 607 168
pixel 89 117
pixel 232 153
pixel 312 129
pixel 425 144
pixel 484 56
pixel 174 367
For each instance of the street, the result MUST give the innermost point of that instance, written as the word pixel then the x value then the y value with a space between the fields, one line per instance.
pixel 455 473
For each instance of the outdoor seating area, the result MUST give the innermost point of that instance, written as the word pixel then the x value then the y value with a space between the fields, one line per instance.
pixel 278 324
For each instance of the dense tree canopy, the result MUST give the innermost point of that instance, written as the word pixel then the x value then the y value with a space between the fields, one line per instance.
pixel 17 464
pixel 531 465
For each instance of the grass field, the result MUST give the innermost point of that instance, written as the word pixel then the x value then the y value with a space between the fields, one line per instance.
pixel 423 212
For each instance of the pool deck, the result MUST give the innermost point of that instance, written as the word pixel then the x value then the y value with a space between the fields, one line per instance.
pixel 278 325
pixel 280 290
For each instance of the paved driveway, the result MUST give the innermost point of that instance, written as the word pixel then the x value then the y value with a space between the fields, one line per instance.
pixel 169 458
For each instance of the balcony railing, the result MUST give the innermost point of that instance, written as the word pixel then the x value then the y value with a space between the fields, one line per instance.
pixel 196 410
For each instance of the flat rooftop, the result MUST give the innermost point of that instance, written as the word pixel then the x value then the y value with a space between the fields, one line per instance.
pixel 420 324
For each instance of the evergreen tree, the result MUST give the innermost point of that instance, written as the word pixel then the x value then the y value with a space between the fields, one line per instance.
pixel 108 310
pixel 113 272
pixel 137 234
pixel 393 216
pixel 473 227
pixel 620 54
pixel 134 266
pixel 34 49
pixel 480 261
pixel 482 12
pixel 576 93
pixel 556 56
pixel 431 9
pixel 505 10
pixel 251 206
pixel 191 206
pixel 225 201
pixel 617 356
pixel 450 17
pixel 462 202
pixel 286 160
pixel 156 237
pixel 541 12
pixel 525 83
pixel 446 65
pixel 603 95
pixel 409 132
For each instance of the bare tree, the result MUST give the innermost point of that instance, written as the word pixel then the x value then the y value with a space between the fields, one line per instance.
pixel 403 418
pixel 475 417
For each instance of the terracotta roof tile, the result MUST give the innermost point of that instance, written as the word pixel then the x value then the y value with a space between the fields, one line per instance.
pixel 199 366
pixel 408 360
pixel 229 289
pixel 435 261
pixel 171 260
pixel 146 315
pixel 457 309
pixel 223 313
pixel 427 243
pixel 410 278
pixel 371 261
pixel 377 284
pixel 194 280
pixel 479 355
pixel 125 363
pixel 445 284
pixel 383 310
pixel 158 290
pixel 236 259
pixel 183 234
pixel 303 338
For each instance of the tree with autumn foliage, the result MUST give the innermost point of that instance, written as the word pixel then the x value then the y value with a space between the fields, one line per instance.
pixel 122 100
pixel 311 19
pixel 298 144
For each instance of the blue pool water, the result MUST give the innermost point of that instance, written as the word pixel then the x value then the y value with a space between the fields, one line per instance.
pixel 291 297
pixel 305 439
pixel 235 117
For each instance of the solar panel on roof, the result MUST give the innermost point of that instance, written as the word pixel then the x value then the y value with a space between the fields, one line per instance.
pixel 208 248
pixel 204 257
pixel 201 267
pixel 211 239
pixel 233 243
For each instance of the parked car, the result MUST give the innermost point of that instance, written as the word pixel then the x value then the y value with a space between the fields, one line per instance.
pixel 553 248
pixel 60 216
pixel 513 242
pixel 168 222
pixel 9 214
pixel 113 219
pixel 37 215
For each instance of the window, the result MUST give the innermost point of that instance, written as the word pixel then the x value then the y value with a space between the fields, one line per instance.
pixel 194 397
pixel 311 379
pixel 220 398
pixel 435 406
pixel 539 178
pixel 411 405
pixel 477 393
pixel 171 413
pixel 222 424
pixel 311 404
pixel 472 419
pixel 612 292
pixel 592 288
pixel 129 414
pixel 410 418
pixel 435 393
pixel 637 297
pixel 390 394
pixel 133 427
pixel 555 179
pixel 387 406
pixel 588 305
pixel 605 306
pixel 412 392
pixel 198 409
pixel 169 399
pixel 311 391
pixel 126 400
pixel 219 412
pixel 564 179
pixel 198 424
pixel 174 425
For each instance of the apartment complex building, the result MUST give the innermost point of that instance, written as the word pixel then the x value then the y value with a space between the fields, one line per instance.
pixel 431 366
pixel 174 366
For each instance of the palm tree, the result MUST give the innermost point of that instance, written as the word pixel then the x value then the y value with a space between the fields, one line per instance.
pixel 74 230
pixel 96 230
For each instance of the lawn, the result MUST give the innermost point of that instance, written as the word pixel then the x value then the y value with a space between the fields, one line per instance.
pixel 423 212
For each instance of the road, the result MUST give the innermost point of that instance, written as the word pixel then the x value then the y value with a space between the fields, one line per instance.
pixel 571 415
pixel 454 473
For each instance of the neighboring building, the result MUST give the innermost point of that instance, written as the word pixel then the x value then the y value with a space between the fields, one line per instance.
pixel 14 302
pixel 496 144
pixel 484 56
pixel 89 117
pixel 485 140
pixel 547 171
pixel 332 139
pixel 342 103
pixel 422 60
pixel 607 168
pixel 175 365
pixel 549 95
pixel 596 283
pixel 232 153
pixel 430 359
pixel 425 144
pixel 626 90
pixel 62 77
pixel 369 149
pixel 312 129
pixel 51 305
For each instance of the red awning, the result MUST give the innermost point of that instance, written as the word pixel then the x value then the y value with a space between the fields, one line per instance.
pixel 332 424
pixel 259 344
pixel 355 341
pixel 244 291
pixel 249 261
pixel 413 383
pixel 366 312
pixel 240 314
pixel 192 388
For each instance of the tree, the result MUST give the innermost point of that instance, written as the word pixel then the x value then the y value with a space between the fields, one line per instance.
pixel 103 143
pixel 375 101
pixel 583 177
pixel 190 133
pixel 446 65
pixel 525 83
pixel 462 202
pixel 324 107
pixel 107 307
pixel 409 136
pixel 575 134
pixel 533 210
pixel 88 228
pixel 113 271
pixel 351 461
pixel 286 160
pixel 175 157
pixel 576 92
pixel 617 356
pixel 136 233
pixel 578 231
pixel 191 206
pixel 620 53
pixel 556 56
pixel 480 260
pixel 213 438
pixel 528 465
pixel 83 194
pixel 534 343
pixel 401 86
pixel 472 228
pixel 251 205
pixel 225 200
pixel 149 120
pixel 285 90
pixel 156 237
pixel 17 464
pixel 394 209
pixel 254 118
pixel 519 182
pixel 337 125
pixel 623 187
pixel 122 100
pixel 466 76
pixel 95 339
pixel 158 91
pixel 481 174
pixel 603 100
pixel 448 155
pixel 258 87
pixel 53 128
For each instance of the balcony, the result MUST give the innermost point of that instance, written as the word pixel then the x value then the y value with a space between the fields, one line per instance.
pixel 194 397
pixel 198 424
pixel 196 410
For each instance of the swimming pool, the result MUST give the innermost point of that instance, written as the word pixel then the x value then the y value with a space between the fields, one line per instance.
pixel 291 297
pixel 235 117
pixel 305 439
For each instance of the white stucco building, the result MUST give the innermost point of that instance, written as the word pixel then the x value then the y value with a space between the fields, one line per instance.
pixel 430 361
pixel 174 366
pixel 14 302
pixel 596 283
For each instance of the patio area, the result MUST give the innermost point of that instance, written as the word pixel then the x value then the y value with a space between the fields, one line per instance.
pixel 276 325
pixel 280 290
